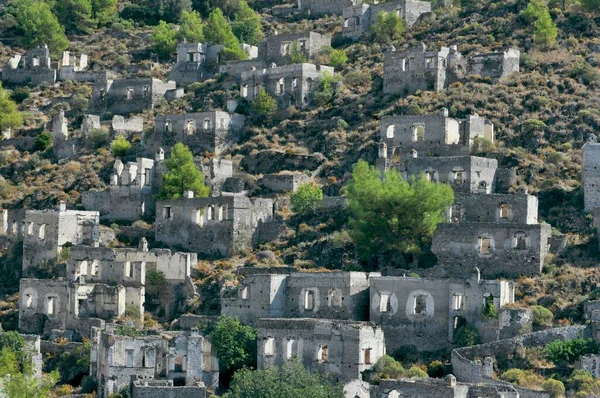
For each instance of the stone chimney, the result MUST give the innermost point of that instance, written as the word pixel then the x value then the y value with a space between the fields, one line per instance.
pixel 160 155
pixel 143 245
pixel 188 194
pixel 62 206
pixel 444 112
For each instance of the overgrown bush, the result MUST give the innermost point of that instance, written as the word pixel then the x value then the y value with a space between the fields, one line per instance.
pixel 542 317
pixel 306 199
pixel 120 146
pixel 466 336
pixel 568 351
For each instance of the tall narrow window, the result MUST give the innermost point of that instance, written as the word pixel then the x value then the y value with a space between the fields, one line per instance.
pixel 206 124
pixel 485 245
pixel 42 232
pixel 420 307
pixel 322 353
pixel 458 302
pixel 504 210
pixel 428 62
pixel 220 213
pixel 83 268
pixel 520 241
pixel 129 93
pixel 270 347
pixel 291 349
pixel 128 269
pixel 146 91
pixel 309 300
pixel 51 306
pixel 389 132
pixel 147 177
pixel 367 356
pixel 280 88
pixel 244 90
pixel 418 133
pixel 190 127
pixel 94 270
pixel 167 126
pixel 167 214
pixel 458 177
pixel 29 300
pixel 245 293
pixel 129 358
pixel 30 228
pixel 384 302
pixel 209 213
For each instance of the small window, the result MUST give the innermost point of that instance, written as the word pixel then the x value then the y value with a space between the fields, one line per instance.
pixel 428 62
pixel 168 126
pixel 384 303
pixel 244 90
pixel 94 270
pixel 270 347
pixel 245 293
pixel 285 48
pixel 504 210
pixel 199 218
pixel 42 232
pixel 485 245
pixel 458 177
pixel 367 356
pixel 418 133
pixel 206 124
pixel 15 227
pixel 51 306
pixel 409 64
pixel 322 353
pixel 147 177
pixel 130 93
pixel 190 57
pixel 309 300
pixel 295 82
pixel 280 88
pixel 148 358
pixel 128 269
pixel 404 65
pixel 36 61
pixel 520 241
pixel 302 44
pixel 291 349
pixel 335 298
pixel 209 213
pixel 190 127
pixel 430 175
pixel 420 307
pixel 167 213
pixel 83 268
pixel 458 302
pixel 389 132
pixel 220 213
pixel 129 358
pixel 146 91
pixel 29 300
pixel 30 228
pixel 483 186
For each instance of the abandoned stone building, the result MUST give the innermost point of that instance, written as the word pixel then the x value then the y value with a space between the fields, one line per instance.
pixel 185 358
pixel 278 48
pixel 90 123
pixel 359 18
pixel 410 136
pixel 343 349
pixel 323 7
pixel 425 313
pixel 59 304
pixel 121 125
pixel 405 72
pixel 215 226
pixel 202 132
pixel 131 193
pixel 64 144
pixel 284 181
pixel 32 67
pixel 289 85
pixel 499 233
pixel 132 95
pixel 76 69
pixel 46 232
pixel 152 388
pixel 590 176
pixel 441 388
pixel 284 293
pixel 197 62
pixel 12 224
pixel 130 266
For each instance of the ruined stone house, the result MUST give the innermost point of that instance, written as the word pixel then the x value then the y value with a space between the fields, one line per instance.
pixel 284 293
pixel 197 62
pixel 411 136
pixel 498 233
pixel 405 72
pixel 284 181
pixel 289 85
pixel 340 348
pixel 32 67
pixel 202 132
pixel 132 95
pixel 151 388
pixel 359 18
pixel 322 7
pixel 425 313
pixel 185 358
pixel 441 388
pixel 47 232
pixel 278 48
pixel 215 226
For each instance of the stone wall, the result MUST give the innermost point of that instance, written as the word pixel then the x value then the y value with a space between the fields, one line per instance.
pixel 495 208
pixel 33 67
pixel 126 96
pixel 590 176
pixel 127 126
pixel 277 48
pixel 319 7
pixel 283 182
pixel 495 65
pixel 165 389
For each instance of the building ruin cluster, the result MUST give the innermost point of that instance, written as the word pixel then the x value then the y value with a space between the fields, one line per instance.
pixel 339 323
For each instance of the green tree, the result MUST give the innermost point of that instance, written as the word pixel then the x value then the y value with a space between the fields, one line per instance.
pixel 246 25
pixel 22 383
pixel 264 104
pixel 190 27
pixel 542 317
pixel 235 343
pixel 325 91
pixel 538 14
pixel 306 199
pixel 104 11
pixel 164 39
pixel 183 175
pixel 120 146
pixel 568 351
pixel 218 31
pixel 297 56
pixel 75 15
pixel 10 117
pixel 38 25
pixel 387 367
pixel 290 381
pixel 14 342
pixel 466 336
pixel 391 214
pixel 388 27
pixel 43 141
pixel 338 58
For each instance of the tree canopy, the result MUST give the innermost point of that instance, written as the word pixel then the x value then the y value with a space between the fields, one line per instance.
pixel 164 40
pixel 218 31
pixel 392 214
pixel 183 175
pixel 75 15
pixel 190 27
pixel 235 343
pixel 538 14
pixel 291 381
pixel 38 25
pixel 246 25
pixel 10 117
pixel 388 27
pixel 104 11
pixel 306 198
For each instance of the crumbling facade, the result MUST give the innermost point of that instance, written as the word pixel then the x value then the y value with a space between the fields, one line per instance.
pixel 185 358
pixel 48 231
pixel 289 85
pixel 405 72
pixel 359 18
pixel 133 95
pixel 202 132
pixel 342 349
pixel 216 226
pixel 283 293
pixel 442 388
pixel 32 67
pixel 151 388
pixel 282 182
pixel 318 8
pixel 278 48
pixel 590 176
pixel 426 312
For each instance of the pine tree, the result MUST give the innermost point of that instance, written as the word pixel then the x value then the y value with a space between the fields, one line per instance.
pixel 388 26
pixel 75 15
pixel 164 40
pixel 39 26
pixel 191 28
pixel 246 26
pixel 183 175
pixel 104 11
pixel 10 117
pixel 218 31
pixel 538 14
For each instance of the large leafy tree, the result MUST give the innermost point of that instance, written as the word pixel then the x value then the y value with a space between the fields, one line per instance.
pixel 538 14
pixel 164 39
pixel 10 117
pixel 38 25
pixel 291 381
pixel 306 199
pixel 190 27
pixel 218 31
pixel 75 15
pixel 235 343
pixel 183 175
pixel 104 11
pixel 388 26
pixel 392 215
pixel 246 26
